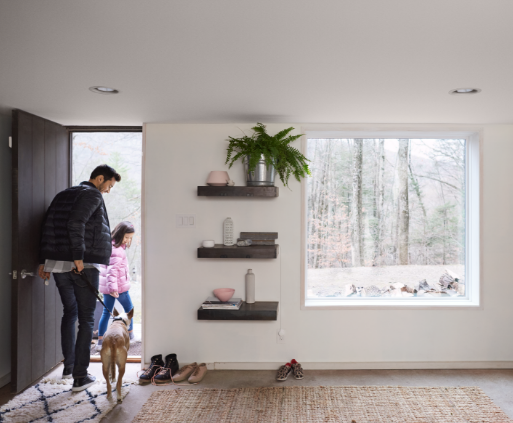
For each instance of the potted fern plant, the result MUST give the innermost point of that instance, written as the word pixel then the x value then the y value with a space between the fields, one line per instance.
pixel 265 155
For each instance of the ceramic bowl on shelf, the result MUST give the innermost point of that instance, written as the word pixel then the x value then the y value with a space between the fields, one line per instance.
pixel 208 243
pixel 218 178
pixel 224 294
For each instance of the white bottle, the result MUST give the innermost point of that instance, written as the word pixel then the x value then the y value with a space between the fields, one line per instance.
pixel 228 232
pixel 250 287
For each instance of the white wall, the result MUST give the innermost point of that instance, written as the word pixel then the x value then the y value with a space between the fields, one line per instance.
pixel 5 250
pixel 178 159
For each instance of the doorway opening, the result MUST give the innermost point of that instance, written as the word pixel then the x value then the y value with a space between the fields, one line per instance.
pixel 121 150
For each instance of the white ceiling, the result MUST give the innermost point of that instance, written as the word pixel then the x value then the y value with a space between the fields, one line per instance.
pixel 217 61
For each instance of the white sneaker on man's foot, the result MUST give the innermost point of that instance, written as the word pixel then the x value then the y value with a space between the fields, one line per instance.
pixel 67 373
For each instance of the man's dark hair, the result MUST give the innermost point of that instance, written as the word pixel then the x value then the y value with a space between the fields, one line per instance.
pixel 107 172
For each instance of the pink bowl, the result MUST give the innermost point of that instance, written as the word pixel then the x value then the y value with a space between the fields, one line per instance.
pixel 224 294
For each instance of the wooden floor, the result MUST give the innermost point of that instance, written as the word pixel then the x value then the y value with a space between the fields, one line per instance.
pixel 497 384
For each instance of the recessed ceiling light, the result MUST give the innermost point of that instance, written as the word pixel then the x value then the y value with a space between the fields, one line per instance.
pixel 459 91
pixel 103 90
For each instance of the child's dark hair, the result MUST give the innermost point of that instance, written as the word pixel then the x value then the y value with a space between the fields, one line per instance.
pixel 119 232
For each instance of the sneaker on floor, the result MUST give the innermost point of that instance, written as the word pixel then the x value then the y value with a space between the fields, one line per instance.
pixel 156 364
pixel 132 336
pixel 83 383
pixel 171 367
pixel 198 374
pixel 297 369
pixel 67 373
pixel 185 372
pixel 284 372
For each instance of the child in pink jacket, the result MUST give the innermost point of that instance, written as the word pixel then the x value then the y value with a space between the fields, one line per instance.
pixel 114 278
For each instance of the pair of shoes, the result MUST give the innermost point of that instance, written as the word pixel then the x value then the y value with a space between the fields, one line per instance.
pixel 82 383
pixel 170 368
pixel 193 372
pixel 288 368
pixel 67 372
pixel 160 373
pixel 99 345
pixel 148 374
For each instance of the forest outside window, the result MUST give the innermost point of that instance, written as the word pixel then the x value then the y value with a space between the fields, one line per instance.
pixel 392 221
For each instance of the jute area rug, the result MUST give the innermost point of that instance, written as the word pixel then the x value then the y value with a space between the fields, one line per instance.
pixel 51 400
pixel 351 404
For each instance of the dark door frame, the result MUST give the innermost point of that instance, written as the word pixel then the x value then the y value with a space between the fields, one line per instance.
pixel 73 129
pixel 104 128
pixel 70 130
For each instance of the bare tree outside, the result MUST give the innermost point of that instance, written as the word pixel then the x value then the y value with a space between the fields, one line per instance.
pixel 386 218
pixel 122 151
pixel 356 205
pixel 402 202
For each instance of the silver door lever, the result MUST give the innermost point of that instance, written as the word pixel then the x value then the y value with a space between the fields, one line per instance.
pixel 24 274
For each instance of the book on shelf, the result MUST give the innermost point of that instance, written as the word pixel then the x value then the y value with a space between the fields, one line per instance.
pixel 221 307
pixel 256 242
pixel 212 303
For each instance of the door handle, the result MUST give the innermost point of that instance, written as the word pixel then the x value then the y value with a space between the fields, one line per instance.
pixel 24 274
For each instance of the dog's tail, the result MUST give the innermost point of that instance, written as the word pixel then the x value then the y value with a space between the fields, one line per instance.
pixel 113 361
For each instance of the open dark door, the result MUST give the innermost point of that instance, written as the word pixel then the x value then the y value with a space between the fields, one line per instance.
pixel 41 168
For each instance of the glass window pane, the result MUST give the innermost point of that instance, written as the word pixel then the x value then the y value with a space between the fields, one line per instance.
pixel 386 218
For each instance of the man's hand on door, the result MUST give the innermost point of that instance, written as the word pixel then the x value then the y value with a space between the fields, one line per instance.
pixel 42 274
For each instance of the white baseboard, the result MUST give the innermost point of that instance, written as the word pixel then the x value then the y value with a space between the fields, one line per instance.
pixel 385 365
pixel 4 380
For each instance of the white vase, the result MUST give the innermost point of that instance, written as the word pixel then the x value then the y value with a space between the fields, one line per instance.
pixel 228 232
pixel 250 287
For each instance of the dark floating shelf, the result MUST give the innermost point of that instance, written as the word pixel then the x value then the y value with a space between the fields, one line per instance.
pixel 253 252
pixel 261 310
pixel 226 191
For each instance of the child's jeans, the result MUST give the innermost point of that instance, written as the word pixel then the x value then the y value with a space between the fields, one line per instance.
pixel 125 300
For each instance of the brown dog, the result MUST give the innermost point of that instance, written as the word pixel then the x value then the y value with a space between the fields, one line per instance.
pixel 116 343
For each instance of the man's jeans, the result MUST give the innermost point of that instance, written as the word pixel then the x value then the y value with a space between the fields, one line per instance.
pixel 78 301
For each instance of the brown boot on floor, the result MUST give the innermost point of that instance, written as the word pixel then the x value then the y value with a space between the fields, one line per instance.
pixel 184 372
pixel 199 373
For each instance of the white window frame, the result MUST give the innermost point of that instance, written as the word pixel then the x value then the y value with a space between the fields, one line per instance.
pixel 473 284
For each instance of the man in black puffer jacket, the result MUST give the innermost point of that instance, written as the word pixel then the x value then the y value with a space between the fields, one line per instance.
pixel 76 234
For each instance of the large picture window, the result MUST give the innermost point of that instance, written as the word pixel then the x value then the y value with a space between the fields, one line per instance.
pixel 387 220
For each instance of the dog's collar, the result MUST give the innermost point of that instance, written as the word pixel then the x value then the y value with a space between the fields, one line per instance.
pixel 119 319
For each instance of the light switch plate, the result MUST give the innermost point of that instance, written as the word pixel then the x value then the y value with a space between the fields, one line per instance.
pixel 186 221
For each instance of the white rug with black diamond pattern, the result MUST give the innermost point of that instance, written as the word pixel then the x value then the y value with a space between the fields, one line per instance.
pixel 51 400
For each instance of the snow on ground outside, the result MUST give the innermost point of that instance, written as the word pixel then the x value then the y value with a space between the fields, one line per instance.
pixel 330 282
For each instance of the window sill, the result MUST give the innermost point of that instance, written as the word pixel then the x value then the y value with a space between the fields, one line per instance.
pixel 354 304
